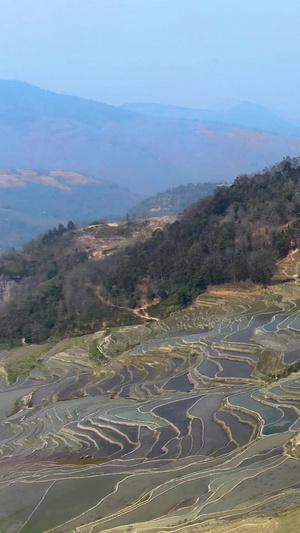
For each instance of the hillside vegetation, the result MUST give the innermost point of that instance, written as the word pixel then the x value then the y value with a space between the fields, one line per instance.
pixel 51 287
pixel 238 234
pixel 172 201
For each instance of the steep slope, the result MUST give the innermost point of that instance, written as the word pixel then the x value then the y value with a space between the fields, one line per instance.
pixel 238 234
pixel 44 130
pixel 52 286
pixel 32 201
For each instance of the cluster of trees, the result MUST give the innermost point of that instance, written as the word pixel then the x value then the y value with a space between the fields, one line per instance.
pixel 38 255
pixel 55 233
pixel 236 234
pixel 60 296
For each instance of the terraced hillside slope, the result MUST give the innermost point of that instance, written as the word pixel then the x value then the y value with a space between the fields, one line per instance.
pixel 32 201
pixel 239 233
pixel 188 424
pixel 185 423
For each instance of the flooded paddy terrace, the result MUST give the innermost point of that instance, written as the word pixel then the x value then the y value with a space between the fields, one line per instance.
pixel 182 422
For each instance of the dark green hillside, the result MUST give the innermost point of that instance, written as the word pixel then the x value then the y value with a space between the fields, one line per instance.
pixel 172 201
pixel 237 234
pixel 55 281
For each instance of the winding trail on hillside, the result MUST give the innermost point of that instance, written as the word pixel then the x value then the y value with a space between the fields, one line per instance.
pixel 140 312
pixel 289 262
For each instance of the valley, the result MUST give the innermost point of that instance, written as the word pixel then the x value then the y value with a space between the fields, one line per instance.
pixel 33 201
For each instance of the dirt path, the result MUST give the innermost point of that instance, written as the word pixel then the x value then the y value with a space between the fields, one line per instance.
pixel 288 267
pixel 141 312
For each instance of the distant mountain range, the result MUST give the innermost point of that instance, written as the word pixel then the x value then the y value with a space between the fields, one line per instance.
pixel 241 114
pixel 144 147
pixel 102 160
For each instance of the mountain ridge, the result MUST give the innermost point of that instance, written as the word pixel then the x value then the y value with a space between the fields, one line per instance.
pixel 41 129
pixel 243 114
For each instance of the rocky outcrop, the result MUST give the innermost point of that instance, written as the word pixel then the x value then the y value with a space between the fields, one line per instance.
pixel 12 288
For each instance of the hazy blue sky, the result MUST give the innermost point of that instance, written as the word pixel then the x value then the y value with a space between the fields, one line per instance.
pixel 183 52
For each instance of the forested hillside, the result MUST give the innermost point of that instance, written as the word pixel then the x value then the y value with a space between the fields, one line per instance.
pixel 52 286
pixel 172 201
pixel 237 234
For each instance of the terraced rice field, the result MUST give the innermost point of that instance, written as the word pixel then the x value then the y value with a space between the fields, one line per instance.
pixel 185 425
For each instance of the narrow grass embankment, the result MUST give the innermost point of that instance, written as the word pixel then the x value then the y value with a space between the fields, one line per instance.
pixel 81 461
pixel 21 361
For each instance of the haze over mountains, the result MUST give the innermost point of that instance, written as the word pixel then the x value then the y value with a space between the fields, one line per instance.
pixel 241 114
pixel 33 201
pixel 147 151
pixel 149 266
pixel 119 155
